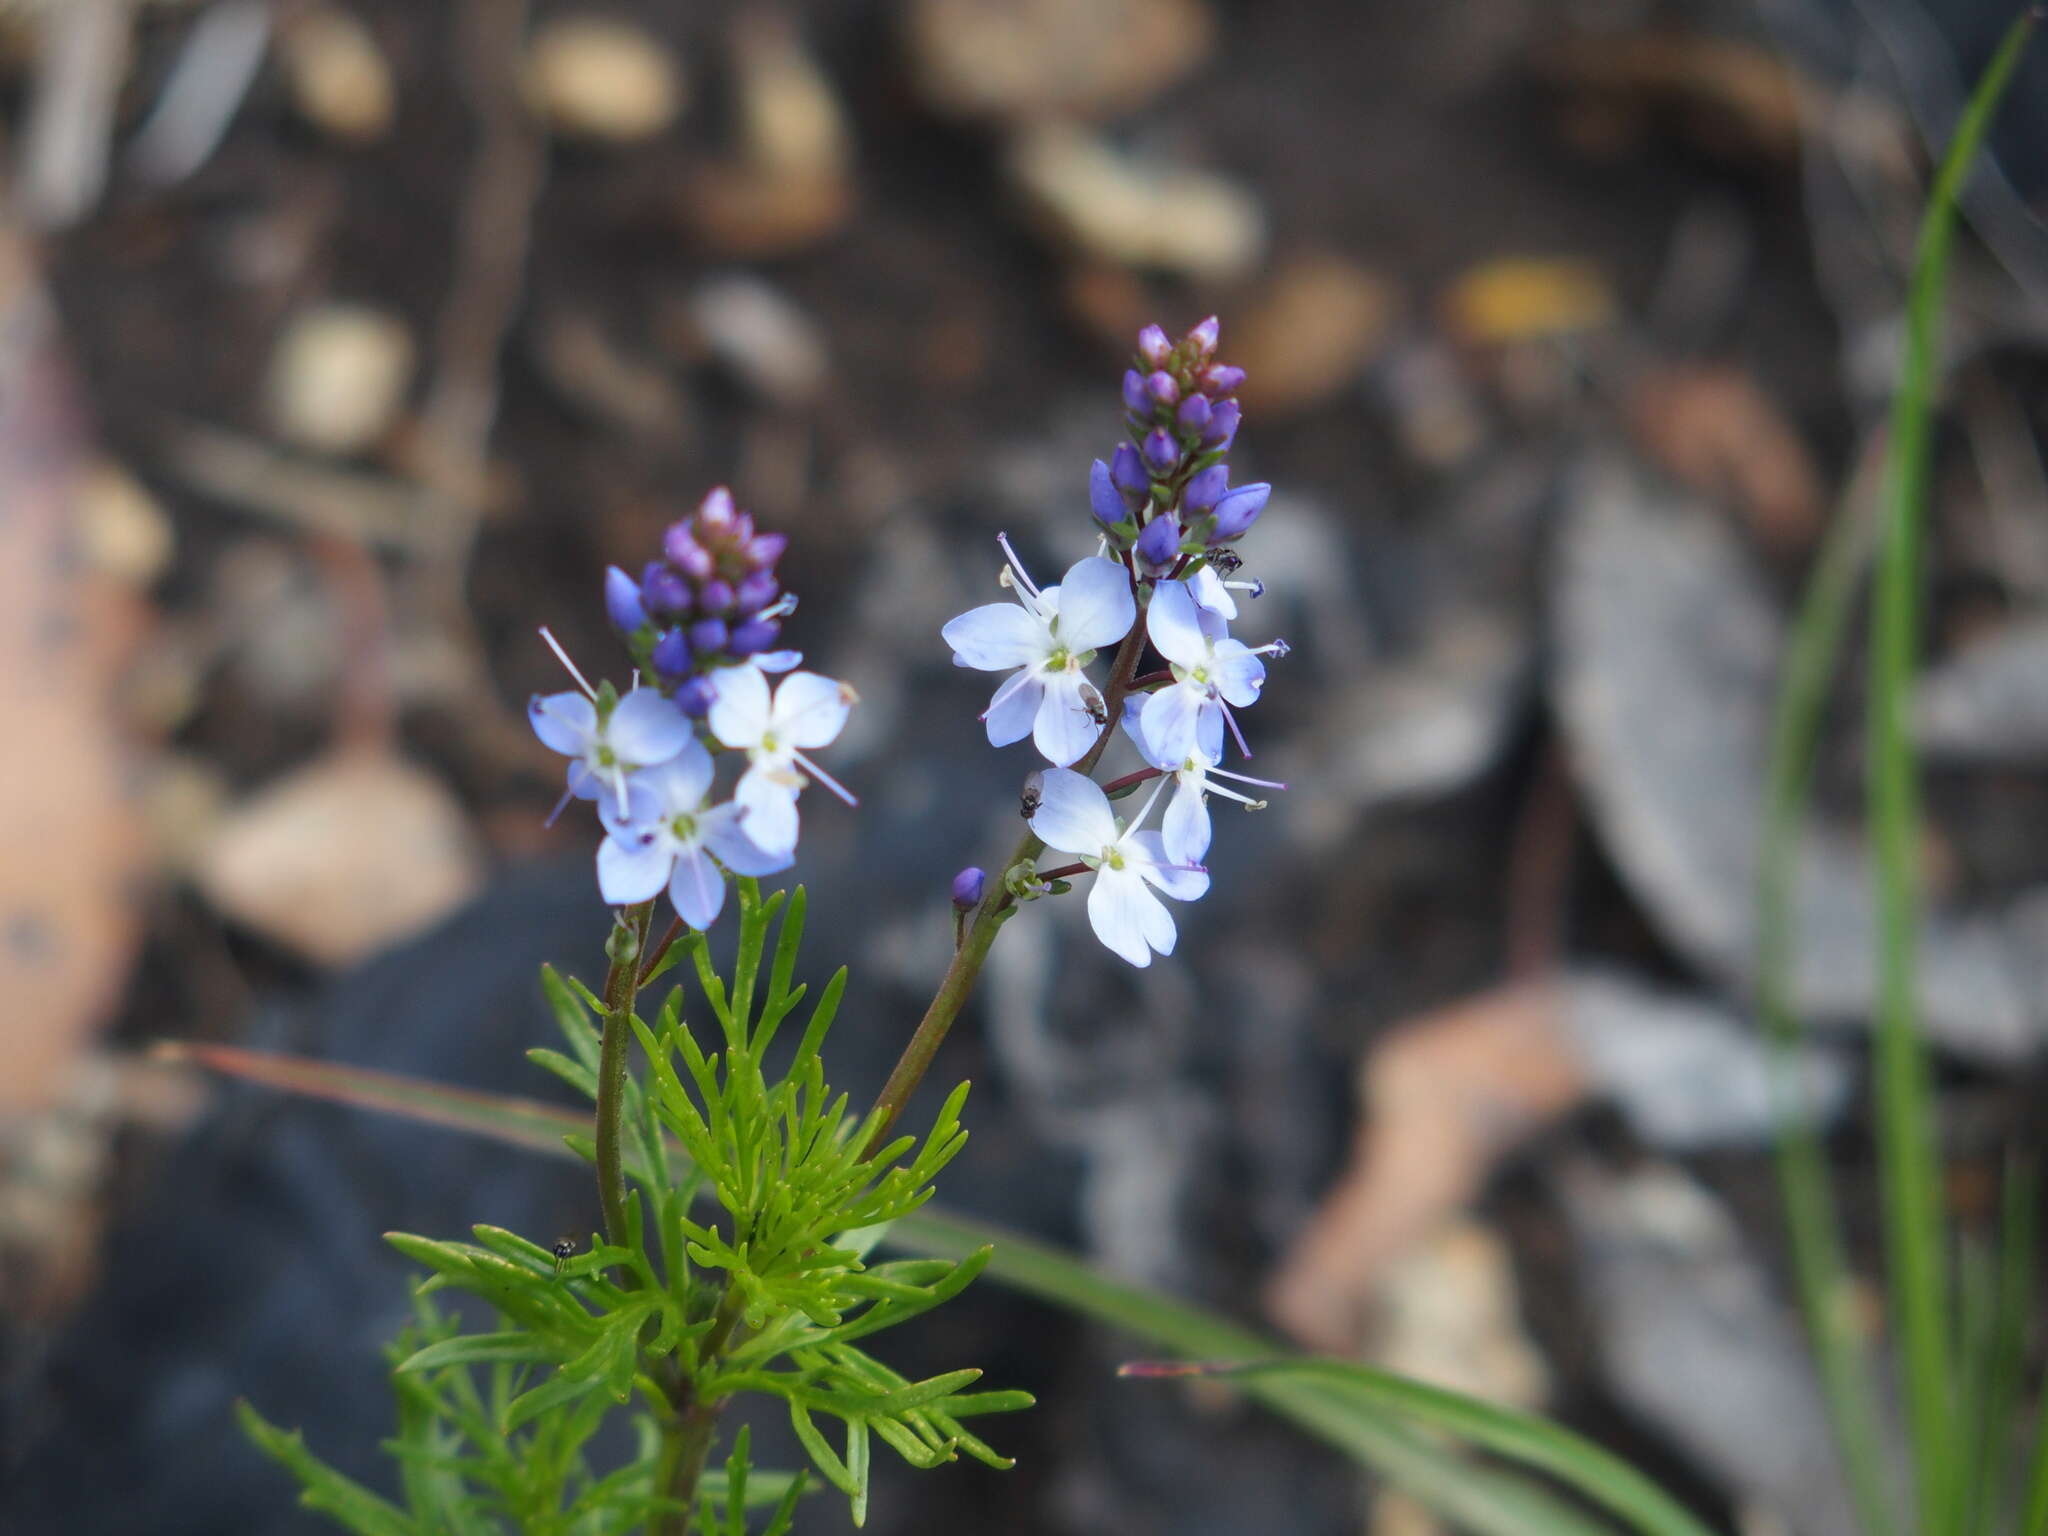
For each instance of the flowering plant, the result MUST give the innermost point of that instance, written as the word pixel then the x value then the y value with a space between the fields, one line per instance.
pixel 740 1207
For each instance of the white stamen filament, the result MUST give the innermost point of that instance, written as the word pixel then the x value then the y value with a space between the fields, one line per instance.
pixel 824 778
pixel 563 657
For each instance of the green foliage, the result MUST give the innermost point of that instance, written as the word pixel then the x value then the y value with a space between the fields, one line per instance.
pixel 1960 1346
pixel 743 1269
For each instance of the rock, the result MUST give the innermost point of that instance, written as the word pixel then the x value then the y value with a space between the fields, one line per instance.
pixel 1667 649
pixel 1314 329
pixel 1449 1315
pixel 339 377
pixel 602 78
pixel 340 81
pixel 342 857
pixel 1685 1073
pixel 124 532
pixel 791 182
pixel 1025 59
pixel 1691 1336
pixel 1990 703
pixel 758 332
pixel 1135 213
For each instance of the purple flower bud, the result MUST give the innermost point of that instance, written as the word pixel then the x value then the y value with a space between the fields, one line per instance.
pixel 968 884
pixel 1136 401
pixel 1205 336
pixel 715 596
pixel 716 509
pixel 755 592
pixel 1161 388
pixel 1238 511
pixel 622 601
pixel 671 655
pixel 686 554
pixel 1159 545
pixel 1127 472
pixel 1193 415
pixel 1161 451
pixel 708 636
pixel 754 635
pixel 663 593
pixel 1207 488
pixel 1103 498
pixel 693 696
pixel 765 549
pixel 1222 425
pixel 742 530
pixel 1220 380
pixel 1153 346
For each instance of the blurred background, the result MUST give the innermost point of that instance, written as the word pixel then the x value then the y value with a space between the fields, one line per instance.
pixel 343 344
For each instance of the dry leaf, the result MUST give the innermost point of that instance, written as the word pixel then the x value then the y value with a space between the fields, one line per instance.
pixel 343 856
pixel 1715 430
pixel 1516 299
pixel 1445 1097
pixel 1022 59
pixel 1312 331
pixel 67 629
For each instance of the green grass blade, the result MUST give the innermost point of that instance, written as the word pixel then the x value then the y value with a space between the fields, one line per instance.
pixel 1522 1437
pixel 1812 1221
pixel 1909 1157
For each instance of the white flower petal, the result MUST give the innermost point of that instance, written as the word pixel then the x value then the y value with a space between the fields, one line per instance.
pixel 1184 829
pixel 677 786
pixel 1155 865
pixel 697 889
pixel 564 722
pixel 1095 604
pixel 1175 625
pixel 646 728
pixel 770 819
pixel 1013 708
pixel 722 829
pixel 1120 910
pixel 1073 813
pixel 1171 718
pixel 1209 733
pixel 776 661
pixel 1210 595
pixel 995 637
pixel 739 710
pixel 1063 730
pixel 809 710
pixel 1238 673
pixel 630 870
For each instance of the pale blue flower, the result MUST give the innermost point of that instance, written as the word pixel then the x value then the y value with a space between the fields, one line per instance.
pixel 665 835
pixel 804 712
pixel 1049 636
pixel 1073 815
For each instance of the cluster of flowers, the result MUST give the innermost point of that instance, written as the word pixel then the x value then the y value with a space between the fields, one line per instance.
pixel 1167 517
pixel 699 625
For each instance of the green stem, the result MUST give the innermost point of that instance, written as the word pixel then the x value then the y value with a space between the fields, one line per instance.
pixel 1910 1163
pixel 686 1439
pixel 957 985
pixel 621 986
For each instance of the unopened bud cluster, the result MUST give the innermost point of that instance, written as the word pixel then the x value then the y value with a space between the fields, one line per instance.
pixel 713 598
pixel 1165 492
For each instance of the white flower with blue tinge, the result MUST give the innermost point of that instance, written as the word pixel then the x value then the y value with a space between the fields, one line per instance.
pixel 1049 636
pixel 1211 674
pixel 664 834
pixel 1073 815
pixel 804 712
pixel 642 730
pixel 1185 829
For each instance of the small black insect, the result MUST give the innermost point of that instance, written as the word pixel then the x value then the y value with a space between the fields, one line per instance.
pixel 1225 561
pixel 1027 802
pixel 563 1251
pixel 1091 700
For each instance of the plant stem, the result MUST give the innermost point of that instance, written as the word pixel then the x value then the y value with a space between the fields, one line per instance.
pixel 957 985
pixel 686 1439
pixel 621 986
